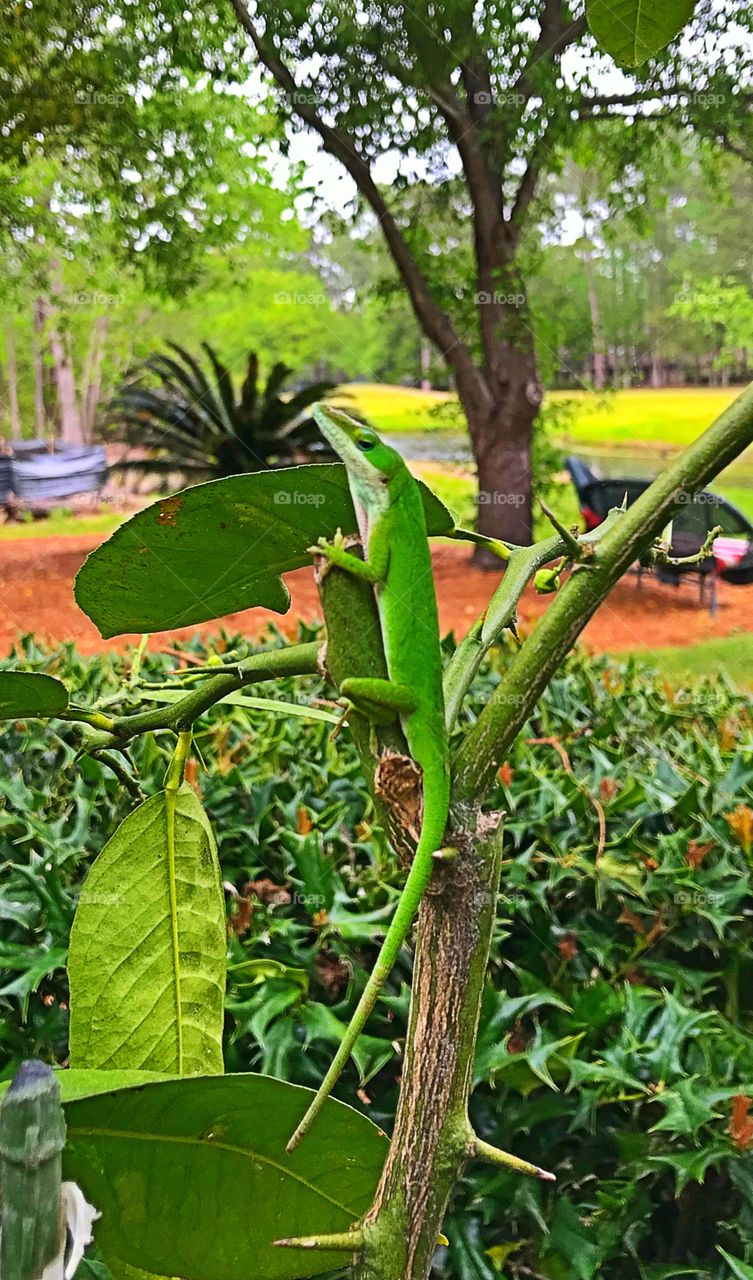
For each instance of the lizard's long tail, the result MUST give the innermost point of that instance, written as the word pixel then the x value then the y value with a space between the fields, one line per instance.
pixel 418 878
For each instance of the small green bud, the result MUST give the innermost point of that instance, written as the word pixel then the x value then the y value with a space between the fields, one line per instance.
pixel 546 581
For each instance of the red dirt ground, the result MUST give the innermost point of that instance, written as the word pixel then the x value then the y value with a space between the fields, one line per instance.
pixel 36 595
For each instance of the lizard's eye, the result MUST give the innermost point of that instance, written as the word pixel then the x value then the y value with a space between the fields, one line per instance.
pixel 365 444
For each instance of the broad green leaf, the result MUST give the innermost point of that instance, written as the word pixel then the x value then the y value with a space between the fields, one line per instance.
pixel 192 1178
pixel 29 693
pixel 77 1083
pixel 220 547
pixel 739 1269
pixel 148 951
pixel 632 31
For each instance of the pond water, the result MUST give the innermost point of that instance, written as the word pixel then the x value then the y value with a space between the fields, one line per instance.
pixel 640 464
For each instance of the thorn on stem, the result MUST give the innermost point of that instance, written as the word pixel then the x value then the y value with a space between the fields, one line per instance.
pixel 494 1155
pixel 567 535
pixel 448 854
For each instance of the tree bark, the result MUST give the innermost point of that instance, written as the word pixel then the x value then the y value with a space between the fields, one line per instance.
pixel 597 332
pixel 70 418
pixel 425 357
pixel 92 380
pixel 501 429
pixel 65 382
pixel 432 1136
pixel 15 413
pixel 40 407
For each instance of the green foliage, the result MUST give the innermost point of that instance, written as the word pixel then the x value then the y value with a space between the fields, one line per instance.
pixel 224 545
pixel 633 31
pixel 27 693
pixel 152 997
pixel 616 1026
pixel 192 1178
pixel 203 427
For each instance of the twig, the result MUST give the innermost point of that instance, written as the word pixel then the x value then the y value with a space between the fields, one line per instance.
pixel 567 766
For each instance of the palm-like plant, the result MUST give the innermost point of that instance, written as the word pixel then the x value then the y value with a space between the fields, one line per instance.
pixel 195 423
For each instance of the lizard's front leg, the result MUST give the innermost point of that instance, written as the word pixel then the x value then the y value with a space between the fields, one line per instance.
pixel 373 569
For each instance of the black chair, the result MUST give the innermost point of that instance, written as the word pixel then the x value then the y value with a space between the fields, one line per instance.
pixel 597 496
pixel 695 516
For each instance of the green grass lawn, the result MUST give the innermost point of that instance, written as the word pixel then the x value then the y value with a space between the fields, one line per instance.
pixel 668 418
pixel 654 422
pixel 731 656
pixel 60 524
pixel 394 409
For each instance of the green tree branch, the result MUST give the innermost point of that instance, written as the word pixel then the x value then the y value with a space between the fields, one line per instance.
pixel 431 1141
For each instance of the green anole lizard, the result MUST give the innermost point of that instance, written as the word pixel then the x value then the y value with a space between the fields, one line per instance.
pixel 397 562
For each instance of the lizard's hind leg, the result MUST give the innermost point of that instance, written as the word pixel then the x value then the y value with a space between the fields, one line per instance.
pixel 381 701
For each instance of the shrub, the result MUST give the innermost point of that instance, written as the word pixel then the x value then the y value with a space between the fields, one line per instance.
pixel 200 425
pixel 616 1044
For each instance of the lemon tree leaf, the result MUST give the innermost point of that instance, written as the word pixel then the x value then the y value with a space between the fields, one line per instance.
pixel 191 1176
pixel 29 693
pixel 148 952
pixel 220 547
pixel 632 31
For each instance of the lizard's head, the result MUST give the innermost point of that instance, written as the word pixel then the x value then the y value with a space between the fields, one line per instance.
pixel 365 455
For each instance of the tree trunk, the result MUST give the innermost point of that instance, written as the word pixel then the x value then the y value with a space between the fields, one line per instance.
pixel 597 332
pixel 425 365
pixel 70 418
pixel 431 1139
pixel 65 382
pixel 62 364
pixel 502 439
pixel 15 413
pixel 92 380
pixel 40 408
